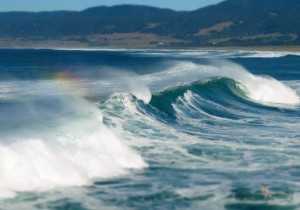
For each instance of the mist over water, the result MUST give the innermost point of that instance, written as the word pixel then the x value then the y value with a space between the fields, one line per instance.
pixel 149 130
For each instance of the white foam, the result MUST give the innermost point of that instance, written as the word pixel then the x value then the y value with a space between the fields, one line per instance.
pixel 72 153
pixel 267 54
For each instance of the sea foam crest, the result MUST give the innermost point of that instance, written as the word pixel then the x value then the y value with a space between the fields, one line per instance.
pixel 73 153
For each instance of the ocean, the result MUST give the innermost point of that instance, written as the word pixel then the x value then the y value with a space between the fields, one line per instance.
pixel 149 129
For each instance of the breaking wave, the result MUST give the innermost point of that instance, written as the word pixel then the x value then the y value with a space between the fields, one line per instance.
pixel 258 88
pixel 62 142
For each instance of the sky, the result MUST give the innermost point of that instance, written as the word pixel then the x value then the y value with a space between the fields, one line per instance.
pixel 50 5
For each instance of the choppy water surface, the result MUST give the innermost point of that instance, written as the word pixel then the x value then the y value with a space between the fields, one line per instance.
pixel 149 129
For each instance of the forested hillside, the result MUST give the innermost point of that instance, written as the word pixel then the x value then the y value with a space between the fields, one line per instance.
pixel 229 23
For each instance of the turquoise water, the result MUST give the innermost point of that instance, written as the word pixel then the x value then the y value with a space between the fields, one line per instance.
pixel 149 129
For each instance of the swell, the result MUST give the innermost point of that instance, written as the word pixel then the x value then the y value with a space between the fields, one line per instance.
pixel 198 108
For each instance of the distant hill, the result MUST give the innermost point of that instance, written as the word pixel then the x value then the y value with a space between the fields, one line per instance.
pixel 229 23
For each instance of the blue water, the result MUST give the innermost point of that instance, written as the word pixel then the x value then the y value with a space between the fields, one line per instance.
pixel 146 129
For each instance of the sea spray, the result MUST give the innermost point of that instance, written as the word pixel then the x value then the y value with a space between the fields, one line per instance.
pixel 125 81
pixel 114 80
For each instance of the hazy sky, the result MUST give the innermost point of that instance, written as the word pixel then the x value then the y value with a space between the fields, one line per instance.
pixel 49 5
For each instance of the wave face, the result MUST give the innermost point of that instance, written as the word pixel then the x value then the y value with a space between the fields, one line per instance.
pixel 261 89
pixel 149 130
